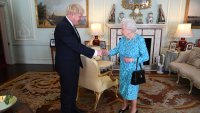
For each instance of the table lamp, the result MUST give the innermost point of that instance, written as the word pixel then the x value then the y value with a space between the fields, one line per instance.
pixel 96 31
pixel 183 31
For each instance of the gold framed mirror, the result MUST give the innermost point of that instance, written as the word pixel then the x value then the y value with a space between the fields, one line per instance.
pixel 131 4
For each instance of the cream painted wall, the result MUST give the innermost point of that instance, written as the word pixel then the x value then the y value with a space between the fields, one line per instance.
pixel 31 44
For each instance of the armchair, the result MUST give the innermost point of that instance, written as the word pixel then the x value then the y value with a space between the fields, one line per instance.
pixel 91 78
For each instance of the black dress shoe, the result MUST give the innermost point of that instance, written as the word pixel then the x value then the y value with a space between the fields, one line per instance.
pixel 123 111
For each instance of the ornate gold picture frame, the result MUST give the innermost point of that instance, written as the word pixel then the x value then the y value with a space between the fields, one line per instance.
pixel 192 14
pixel 131 4
pixel 50 12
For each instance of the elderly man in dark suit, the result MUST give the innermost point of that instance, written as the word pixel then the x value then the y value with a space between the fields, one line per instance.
pixel 67 60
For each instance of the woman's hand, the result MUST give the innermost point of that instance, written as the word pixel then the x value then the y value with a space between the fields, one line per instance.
pixel 105 52
pixel 128 60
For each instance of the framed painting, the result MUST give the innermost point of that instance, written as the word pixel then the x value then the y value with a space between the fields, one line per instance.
pixel 192 14
pixel 50 12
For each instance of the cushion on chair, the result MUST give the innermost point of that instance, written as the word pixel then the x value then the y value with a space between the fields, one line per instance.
pixel 107 82
pixel 194 57
pixel 196 63
pixel 188 71
pixel 183 56
pixel 192 73
pixel 89 76
pixel 174 66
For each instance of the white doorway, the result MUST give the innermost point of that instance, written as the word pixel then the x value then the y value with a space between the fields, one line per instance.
pixel 4 35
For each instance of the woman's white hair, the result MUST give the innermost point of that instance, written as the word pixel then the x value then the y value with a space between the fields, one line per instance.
pixel 129 24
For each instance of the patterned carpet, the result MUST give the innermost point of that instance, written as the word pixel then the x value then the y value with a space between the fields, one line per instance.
pixel 161 94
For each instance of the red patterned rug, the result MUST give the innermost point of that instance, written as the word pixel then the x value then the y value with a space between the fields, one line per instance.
pixel 161 94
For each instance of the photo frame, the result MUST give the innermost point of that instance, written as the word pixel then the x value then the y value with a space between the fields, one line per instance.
pixel 102 44
pixel 52 42
pixel 189 46
pixel 87 43
pixel 192 14
pixel 50 12
pixel 173 45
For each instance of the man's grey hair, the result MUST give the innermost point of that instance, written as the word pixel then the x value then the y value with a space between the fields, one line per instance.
pixel 129 24
pixel 75 9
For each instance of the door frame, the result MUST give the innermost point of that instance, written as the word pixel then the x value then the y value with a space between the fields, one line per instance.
pixel 4 33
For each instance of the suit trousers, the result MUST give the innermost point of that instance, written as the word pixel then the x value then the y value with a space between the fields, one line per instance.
pixel 69 86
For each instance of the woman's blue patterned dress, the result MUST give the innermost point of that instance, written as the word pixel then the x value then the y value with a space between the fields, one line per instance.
pixel 133 48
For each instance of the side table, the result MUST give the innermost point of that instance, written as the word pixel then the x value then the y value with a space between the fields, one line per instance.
pixel 169 57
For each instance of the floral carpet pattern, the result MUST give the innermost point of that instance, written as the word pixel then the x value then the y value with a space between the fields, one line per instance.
pixel 160 94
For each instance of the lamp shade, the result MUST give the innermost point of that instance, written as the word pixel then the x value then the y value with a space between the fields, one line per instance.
pixel 96 29
pixel 184 31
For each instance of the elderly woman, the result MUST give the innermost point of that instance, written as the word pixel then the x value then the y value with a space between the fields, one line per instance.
pixel 130 47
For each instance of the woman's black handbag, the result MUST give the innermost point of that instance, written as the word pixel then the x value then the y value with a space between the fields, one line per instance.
pixel 138 76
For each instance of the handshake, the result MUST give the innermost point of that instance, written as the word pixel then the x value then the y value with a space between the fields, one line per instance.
pixel 102 52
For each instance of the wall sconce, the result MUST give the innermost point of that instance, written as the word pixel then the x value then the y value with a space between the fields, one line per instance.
pixel 96 31
pixel 183 31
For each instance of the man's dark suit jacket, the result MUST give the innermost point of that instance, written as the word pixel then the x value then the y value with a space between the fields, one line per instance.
pixel 68 47
pixel 68 62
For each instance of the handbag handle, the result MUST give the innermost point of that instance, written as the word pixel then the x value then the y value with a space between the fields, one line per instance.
pixel 137 65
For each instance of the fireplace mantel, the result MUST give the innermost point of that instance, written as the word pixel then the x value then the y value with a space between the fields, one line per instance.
pixel 139 25
pixel 151 32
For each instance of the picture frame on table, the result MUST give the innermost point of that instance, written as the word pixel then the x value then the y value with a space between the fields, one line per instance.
pixel 173 45
pixel 189 46
pixel 102 44
pixel 87 43
pixel 52 42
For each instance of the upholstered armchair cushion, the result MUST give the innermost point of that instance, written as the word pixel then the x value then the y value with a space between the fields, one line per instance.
pixel 91 78
pixel 196 63
pixel 194 57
